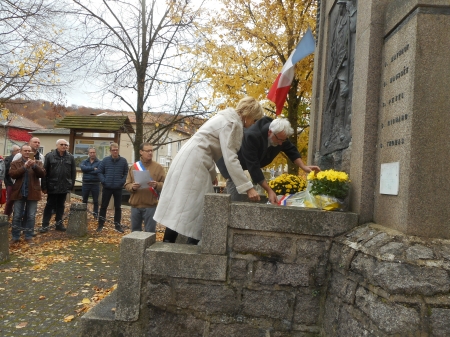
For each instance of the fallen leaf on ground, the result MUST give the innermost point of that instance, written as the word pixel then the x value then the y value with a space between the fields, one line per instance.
pixel 86 300
pixel 42 297
pixel 69 318
pixel 21 325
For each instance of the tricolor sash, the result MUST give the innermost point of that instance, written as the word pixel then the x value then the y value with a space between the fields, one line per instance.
pixel 140 167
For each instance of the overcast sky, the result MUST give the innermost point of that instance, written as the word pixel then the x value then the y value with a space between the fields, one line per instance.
pixel 83 93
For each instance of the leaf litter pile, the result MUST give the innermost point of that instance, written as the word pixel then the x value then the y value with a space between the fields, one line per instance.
pixel 59 271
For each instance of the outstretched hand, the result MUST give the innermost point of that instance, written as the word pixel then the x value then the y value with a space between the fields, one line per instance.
pixel 272 196
pixel 253 195
pixel 316 169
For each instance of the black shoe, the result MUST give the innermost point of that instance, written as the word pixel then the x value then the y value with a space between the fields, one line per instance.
pixel 119 229
pixel 14 241
pixel 99 229
pixel 60 228
pixel 33 234
pixel 43 230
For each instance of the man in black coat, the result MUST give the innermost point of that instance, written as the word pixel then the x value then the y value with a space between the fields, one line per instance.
pixel 61 173
pixel 262 142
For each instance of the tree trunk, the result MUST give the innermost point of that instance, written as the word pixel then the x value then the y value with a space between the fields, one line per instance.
pixel 138 140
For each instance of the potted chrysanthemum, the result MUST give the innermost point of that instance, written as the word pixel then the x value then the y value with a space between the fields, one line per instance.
pixel 286 184
pixel 330 188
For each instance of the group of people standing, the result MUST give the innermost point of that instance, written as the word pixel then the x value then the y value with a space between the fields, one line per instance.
pixel 234 139
pixel 114 174
pixel 28 175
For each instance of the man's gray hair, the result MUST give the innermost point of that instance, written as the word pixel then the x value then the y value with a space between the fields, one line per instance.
pixel 57 142
pixel 281 124
pixel 15 148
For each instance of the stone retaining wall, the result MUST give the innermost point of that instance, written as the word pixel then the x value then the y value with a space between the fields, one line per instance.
pixel 273 271
pixel 384 283
pixel 261 270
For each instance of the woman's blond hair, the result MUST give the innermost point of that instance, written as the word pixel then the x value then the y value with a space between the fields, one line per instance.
pixel 249 107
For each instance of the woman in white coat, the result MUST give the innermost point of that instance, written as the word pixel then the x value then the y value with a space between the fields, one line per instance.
pixel 192 173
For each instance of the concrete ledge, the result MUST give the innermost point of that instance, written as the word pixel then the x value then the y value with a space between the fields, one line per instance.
pixel 132 250
pixel 399 10
pixel 216 215
pixel 294 220
pixel 99 321
pixel 184 261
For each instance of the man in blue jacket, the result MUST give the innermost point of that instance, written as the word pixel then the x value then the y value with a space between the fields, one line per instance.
pixel 91 182
pixel 112 173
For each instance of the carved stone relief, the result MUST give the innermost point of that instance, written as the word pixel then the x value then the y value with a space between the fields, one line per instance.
pixel 336 119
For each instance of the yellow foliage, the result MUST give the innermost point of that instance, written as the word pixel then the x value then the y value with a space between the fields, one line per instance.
pixel 5 113
pixel 247 44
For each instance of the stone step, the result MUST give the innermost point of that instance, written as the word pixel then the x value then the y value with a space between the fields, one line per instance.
pixel 100 320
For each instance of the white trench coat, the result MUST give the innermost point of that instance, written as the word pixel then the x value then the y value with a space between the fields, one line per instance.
pixel 192 172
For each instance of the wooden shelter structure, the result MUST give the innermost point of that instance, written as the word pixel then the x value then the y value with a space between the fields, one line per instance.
pixel 78 125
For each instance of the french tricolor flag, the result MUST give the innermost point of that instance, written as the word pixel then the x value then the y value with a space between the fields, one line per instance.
pixel 282 84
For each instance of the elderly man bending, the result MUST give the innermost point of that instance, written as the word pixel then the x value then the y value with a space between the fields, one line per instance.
pixel 262 142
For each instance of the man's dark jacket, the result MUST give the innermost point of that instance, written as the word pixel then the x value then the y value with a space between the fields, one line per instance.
pixel 60 173
pixel 255 151
pixel 112 172
pixel 90 175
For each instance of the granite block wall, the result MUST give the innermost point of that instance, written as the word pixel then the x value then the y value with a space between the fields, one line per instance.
pixel 275 278
pixel 385 283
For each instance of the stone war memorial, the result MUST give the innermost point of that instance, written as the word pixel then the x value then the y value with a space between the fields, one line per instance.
pixel 381 112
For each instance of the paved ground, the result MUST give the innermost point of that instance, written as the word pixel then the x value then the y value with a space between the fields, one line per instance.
pixel 48 285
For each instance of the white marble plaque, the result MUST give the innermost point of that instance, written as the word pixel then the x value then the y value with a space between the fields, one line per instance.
pixel 389 178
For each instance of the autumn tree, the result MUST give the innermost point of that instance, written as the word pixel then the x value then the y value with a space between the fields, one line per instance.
pixel 247 42
pixel 134 51
pixel 29 51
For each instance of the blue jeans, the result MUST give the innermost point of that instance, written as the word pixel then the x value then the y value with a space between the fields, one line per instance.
pixel 107 193
pixel 93 189
pixel 30 215
pixel 54 202
pixel 143 214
